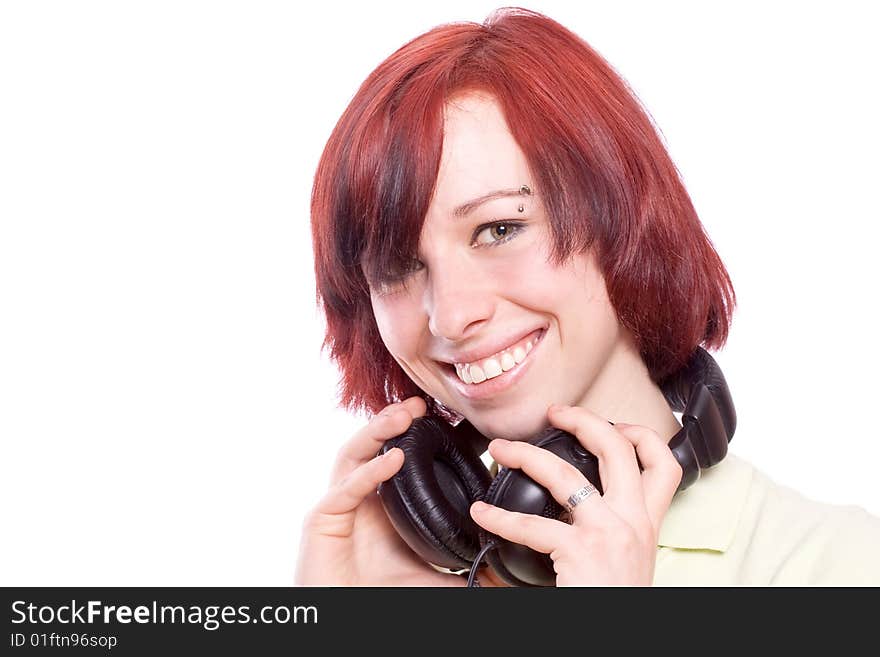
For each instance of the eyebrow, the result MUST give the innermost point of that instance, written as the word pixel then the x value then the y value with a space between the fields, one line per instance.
pixel 466 208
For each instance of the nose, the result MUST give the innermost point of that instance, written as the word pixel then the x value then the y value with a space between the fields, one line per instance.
pixel 458 300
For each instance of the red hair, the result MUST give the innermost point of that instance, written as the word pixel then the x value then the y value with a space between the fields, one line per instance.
pixel 603 173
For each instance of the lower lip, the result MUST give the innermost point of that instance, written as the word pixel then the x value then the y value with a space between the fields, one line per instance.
pixel 491 387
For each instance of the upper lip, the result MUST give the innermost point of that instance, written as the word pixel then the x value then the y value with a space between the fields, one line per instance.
pixel 487 348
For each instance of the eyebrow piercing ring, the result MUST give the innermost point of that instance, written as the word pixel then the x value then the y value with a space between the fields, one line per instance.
pixel 525 190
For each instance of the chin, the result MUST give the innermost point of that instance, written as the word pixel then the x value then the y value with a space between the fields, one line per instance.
pixel 523 424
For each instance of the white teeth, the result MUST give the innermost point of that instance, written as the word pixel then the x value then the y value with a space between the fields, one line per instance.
pixel 494 366
pixel 463 372
pixel 491 368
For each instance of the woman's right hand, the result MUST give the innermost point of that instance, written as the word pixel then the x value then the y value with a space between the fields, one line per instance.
pixel 347 539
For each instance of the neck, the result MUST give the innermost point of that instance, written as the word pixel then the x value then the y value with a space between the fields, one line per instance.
pixel 624 392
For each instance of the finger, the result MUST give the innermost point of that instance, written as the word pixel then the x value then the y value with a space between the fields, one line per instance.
pixel 391 421
pixel 349 493
pixel 662 472
pixel 414 405
pixel 559 477
pixel 541 534
pixel 618 468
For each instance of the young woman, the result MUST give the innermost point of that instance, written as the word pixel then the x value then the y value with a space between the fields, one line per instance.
pixel 500 235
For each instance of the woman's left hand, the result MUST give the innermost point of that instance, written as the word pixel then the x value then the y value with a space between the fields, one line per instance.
pixel 612 539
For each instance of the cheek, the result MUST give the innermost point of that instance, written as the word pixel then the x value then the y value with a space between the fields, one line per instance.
pixel 566 287
pixel 591 314
pixel 527 276
pixel 398 325
pixel 581 278
pixel 575 293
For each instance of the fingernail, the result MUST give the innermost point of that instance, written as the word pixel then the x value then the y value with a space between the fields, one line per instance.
pixel 479 506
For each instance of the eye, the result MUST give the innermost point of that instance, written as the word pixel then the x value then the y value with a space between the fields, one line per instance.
pixel 394 280
pixel 412 267
pixel 496 233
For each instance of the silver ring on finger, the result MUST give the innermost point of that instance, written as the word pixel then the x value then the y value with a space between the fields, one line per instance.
pixel 579 496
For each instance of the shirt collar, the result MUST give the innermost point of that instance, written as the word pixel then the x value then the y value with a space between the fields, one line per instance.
pixel 705 515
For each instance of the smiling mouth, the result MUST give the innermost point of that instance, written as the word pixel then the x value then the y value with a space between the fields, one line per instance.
pixel 506 360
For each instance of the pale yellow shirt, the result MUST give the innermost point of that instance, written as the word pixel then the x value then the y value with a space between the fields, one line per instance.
pixel 736 527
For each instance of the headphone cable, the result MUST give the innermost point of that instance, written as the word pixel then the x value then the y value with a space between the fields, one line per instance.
pixel 472 576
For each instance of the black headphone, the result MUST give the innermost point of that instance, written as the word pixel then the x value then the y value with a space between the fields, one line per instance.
pixel 428 500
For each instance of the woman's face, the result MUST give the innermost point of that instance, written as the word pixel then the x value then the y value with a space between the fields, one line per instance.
pixel 484 323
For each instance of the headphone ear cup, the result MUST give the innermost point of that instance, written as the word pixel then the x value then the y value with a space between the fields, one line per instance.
pixel 684 453
pixel 528 567
pixel 428 500
pixel 513 490
pixel 700 393
pixel 705 427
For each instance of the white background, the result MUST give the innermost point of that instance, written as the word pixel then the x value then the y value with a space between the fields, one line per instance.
pixel 166 415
